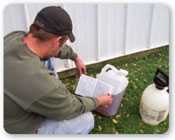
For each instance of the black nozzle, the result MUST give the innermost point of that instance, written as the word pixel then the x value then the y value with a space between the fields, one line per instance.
pixel 161 80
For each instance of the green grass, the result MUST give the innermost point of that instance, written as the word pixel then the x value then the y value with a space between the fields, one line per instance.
pixel 141 70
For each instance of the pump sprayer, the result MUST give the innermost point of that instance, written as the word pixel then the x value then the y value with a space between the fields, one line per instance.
pixel 154 105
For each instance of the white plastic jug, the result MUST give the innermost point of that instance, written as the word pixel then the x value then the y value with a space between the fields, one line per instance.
pixel 116 78
pixel 154 105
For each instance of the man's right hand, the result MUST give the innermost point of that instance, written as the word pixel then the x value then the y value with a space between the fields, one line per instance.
pixel 104 101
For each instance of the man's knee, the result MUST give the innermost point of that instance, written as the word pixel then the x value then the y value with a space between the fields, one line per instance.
pixel 91 121
pixel 82 124
pixel 88 121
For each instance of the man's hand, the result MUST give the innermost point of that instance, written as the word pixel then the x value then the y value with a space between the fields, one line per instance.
pixel 80 66
pixel 104 101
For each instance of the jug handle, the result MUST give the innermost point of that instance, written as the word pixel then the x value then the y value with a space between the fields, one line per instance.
pixel 108 66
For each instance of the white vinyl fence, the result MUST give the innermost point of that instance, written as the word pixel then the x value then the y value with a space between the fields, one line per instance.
pixel 104 30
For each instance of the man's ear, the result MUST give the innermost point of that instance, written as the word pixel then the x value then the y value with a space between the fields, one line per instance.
pixel 57 40
pixel 62 39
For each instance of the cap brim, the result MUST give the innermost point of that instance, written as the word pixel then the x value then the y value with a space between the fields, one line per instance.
pixel 71 37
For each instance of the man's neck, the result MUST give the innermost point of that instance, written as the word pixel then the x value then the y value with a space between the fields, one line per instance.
pixel 34 45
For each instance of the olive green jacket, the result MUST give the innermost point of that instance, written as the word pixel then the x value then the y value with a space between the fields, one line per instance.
pixel 31 94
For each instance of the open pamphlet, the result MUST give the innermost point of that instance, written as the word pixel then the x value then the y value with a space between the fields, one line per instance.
pixel 92 87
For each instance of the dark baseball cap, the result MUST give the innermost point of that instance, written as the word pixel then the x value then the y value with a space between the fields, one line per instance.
pixel 55 20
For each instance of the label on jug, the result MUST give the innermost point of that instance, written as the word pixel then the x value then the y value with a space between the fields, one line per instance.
pixel 161 115
pixel 151 114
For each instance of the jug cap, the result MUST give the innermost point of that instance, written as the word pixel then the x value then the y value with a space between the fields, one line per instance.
pixel 161 80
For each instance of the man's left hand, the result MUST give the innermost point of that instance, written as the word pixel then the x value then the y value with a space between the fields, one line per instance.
pixel 80 66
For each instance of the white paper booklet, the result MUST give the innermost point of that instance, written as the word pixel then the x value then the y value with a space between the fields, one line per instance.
pixel 89 86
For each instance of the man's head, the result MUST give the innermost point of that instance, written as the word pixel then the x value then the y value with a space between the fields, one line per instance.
pixel 52 27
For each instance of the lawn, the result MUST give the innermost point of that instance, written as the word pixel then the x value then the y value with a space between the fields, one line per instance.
pixel 141 68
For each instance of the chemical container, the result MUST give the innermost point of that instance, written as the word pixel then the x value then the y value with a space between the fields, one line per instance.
pixel 154 105
pixel 118 79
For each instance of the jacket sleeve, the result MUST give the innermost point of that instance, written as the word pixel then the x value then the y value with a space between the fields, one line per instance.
pixel 66 52
pixel 60 104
